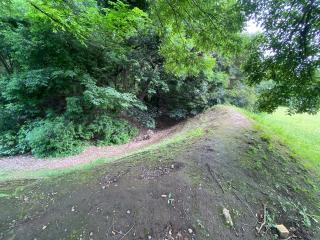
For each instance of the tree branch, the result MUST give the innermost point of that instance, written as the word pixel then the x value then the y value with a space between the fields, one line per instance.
pixel 47 14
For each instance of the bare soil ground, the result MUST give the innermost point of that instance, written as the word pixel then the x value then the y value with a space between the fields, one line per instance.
pixel 176 191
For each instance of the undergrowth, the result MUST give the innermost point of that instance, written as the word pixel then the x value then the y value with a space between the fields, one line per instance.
pixel 56 137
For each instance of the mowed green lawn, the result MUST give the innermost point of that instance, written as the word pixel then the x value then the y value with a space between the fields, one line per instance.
pixel 301 132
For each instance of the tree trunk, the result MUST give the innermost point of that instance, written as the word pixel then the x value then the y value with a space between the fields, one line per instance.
pixel 5 64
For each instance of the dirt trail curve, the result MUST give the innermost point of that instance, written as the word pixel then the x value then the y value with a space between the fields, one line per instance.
pixel 27 162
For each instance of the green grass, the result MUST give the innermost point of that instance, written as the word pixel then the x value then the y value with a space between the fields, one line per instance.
pixel 300 132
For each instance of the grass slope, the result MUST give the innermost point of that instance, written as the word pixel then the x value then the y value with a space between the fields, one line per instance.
pixel 301 132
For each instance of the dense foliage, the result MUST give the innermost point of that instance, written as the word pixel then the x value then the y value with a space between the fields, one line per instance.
pixel 72 71
pixel 287 54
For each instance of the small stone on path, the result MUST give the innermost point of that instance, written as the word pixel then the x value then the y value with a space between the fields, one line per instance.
pixel 227 216
pixel 283 231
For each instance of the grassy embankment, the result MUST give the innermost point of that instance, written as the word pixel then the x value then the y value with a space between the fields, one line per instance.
pixel 300 132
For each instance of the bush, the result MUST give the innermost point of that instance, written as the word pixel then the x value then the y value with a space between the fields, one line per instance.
pixel 13 143
pixel 106 130
pixel 145 118
pixel 54 138
pixel 8 144
pixel 57 137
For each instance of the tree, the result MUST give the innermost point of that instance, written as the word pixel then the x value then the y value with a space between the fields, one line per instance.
pixel 192 30
pixel 62 90
pixel 287 53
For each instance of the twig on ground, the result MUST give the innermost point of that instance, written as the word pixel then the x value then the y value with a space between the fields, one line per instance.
pixel 117 232
pixel 127 232
pixel 108 232
pixel 264 218
pixel 114 231
pixel 213 175
pixel 246 204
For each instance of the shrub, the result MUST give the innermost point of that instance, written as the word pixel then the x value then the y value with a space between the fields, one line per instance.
pixel 106 130
pixel 53 138
pixel 8 143
pixel 145 118
pixel 109 99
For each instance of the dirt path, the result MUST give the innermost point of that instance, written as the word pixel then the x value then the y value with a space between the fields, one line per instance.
pixel 30 163
pixel 27 163
pixel 174 192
